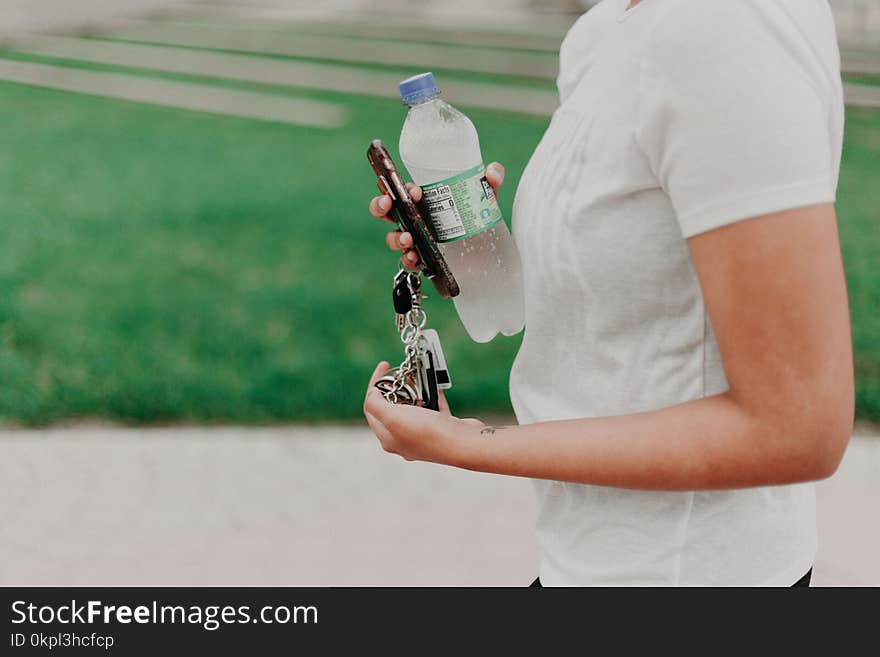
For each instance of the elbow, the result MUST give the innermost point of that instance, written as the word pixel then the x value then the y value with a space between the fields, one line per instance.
pixel 831 443
pixel 824 459
pixel 819 436
pixel 802 436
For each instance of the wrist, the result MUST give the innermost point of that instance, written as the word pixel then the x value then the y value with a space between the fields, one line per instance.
pixel 465 445
pixel 478 446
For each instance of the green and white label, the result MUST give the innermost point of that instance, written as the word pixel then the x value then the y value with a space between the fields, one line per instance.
pixel 462 205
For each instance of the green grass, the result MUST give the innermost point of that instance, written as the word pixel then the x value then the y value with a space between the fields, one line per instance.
pixel 857 78
pixel 160 265
pixel 858 206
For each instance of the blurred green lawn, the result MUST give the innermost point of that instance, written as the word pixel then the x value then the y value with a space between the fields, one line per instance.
pixel 160 265
pixel 164 265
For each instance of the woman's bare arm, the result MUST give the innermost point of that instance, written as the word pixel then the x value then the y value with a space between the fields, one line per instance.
pixel 775 291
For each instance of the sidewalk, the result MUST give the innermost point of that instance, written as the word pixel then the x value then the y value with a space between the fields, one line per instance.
pixel 307 506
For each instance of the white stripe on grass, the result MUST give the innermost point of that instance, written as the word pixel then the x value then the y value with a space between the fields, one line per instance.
pixel 402 29
pixel 860 65
pixel 167 93
pixel 337 48
pixel 478 17
pixel 861 95
pixel 268 70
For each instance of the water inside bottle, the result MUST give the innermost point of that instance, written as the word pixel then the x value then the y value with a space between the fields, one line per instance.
pixel 437 143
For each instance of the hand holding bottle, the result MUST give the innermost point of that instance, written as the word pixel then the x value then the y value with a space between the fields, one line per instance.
pixel 398 241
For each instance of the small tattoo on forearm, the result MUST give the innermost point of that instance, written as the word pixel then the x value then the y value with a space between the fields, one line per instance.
pixel 486 431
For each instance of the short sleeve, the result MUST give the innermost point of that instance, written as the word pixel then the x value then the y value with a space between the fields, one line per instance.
pixel 734 114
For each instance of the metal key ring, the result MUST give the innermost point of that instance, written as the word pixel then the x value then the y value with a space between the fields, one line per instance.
pixel 417 313
pixel 408 332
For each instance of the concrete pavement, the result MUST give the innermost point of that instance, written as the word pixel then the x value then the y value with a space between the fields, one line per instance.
pixel 307 506
pixel 284 506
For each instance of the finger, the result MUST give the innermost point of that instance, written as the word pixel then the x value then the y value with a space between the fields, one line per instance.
pixel 495 175
pixel 398 419
pixel 415 191
pixel 391 418
pixel 377 374
pixel 379 207
pixel 381 431
pixel 397 240
pixel 375 403
pixel 393 240
pixel 410 258
pixel 442 404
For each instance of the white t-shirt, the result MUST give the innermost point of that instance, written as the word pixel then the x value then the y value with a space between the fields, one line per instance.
pixel 676 117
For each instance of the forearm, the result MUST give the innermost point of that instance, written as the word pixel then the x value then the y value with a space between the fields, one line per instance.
pixel 709 443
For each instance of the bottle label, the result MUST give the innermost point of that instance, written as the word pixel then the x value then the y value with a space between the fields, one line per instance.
pixel 461 206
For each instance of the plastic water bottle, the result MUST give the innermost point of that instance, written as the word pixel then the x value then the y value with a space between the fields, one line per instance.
pixel 441 151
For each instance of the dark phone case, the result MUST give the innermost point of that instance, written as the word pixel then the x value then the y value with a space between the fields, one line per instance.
pixel 410 219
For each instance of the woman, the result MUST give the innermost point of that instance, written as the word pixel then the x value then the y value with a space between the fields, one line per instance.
pixel 686 367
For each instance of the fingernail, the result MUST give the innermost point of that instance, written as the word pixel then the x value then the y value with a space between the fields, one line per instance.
pixel 384 203
pixel 400 240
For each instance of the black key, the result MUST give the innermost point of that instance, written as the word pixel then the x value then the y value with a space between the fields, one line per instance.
pixel 432 396
pixel 401 295
pixel 442 371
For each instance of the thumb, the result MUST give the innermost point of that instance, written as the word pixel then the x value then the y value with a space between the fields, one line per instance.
pixel 495 175
pixel 378 373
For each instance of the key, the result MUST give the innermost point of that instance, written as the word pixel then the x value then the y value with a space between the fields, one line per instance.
pixel 418 382
pixel 420 373
pixel 401 295
pixel 428 372
pixel 406 395
pixel 444 382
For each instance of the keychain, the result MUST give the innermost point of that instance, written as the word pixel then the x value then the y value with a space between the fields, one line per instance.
pixel 423 372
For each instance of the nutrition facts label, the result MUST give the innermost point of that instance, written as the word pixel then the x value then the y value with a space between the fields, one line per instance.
pixel 444 215
pixel 462 205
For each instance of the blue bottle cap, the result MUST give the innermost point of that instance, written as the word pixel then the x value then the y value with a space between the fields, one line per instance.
pixel 418 87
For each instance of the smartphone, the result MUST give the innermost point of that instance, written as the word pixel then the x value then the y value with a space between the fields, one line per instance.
pixel 410 219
